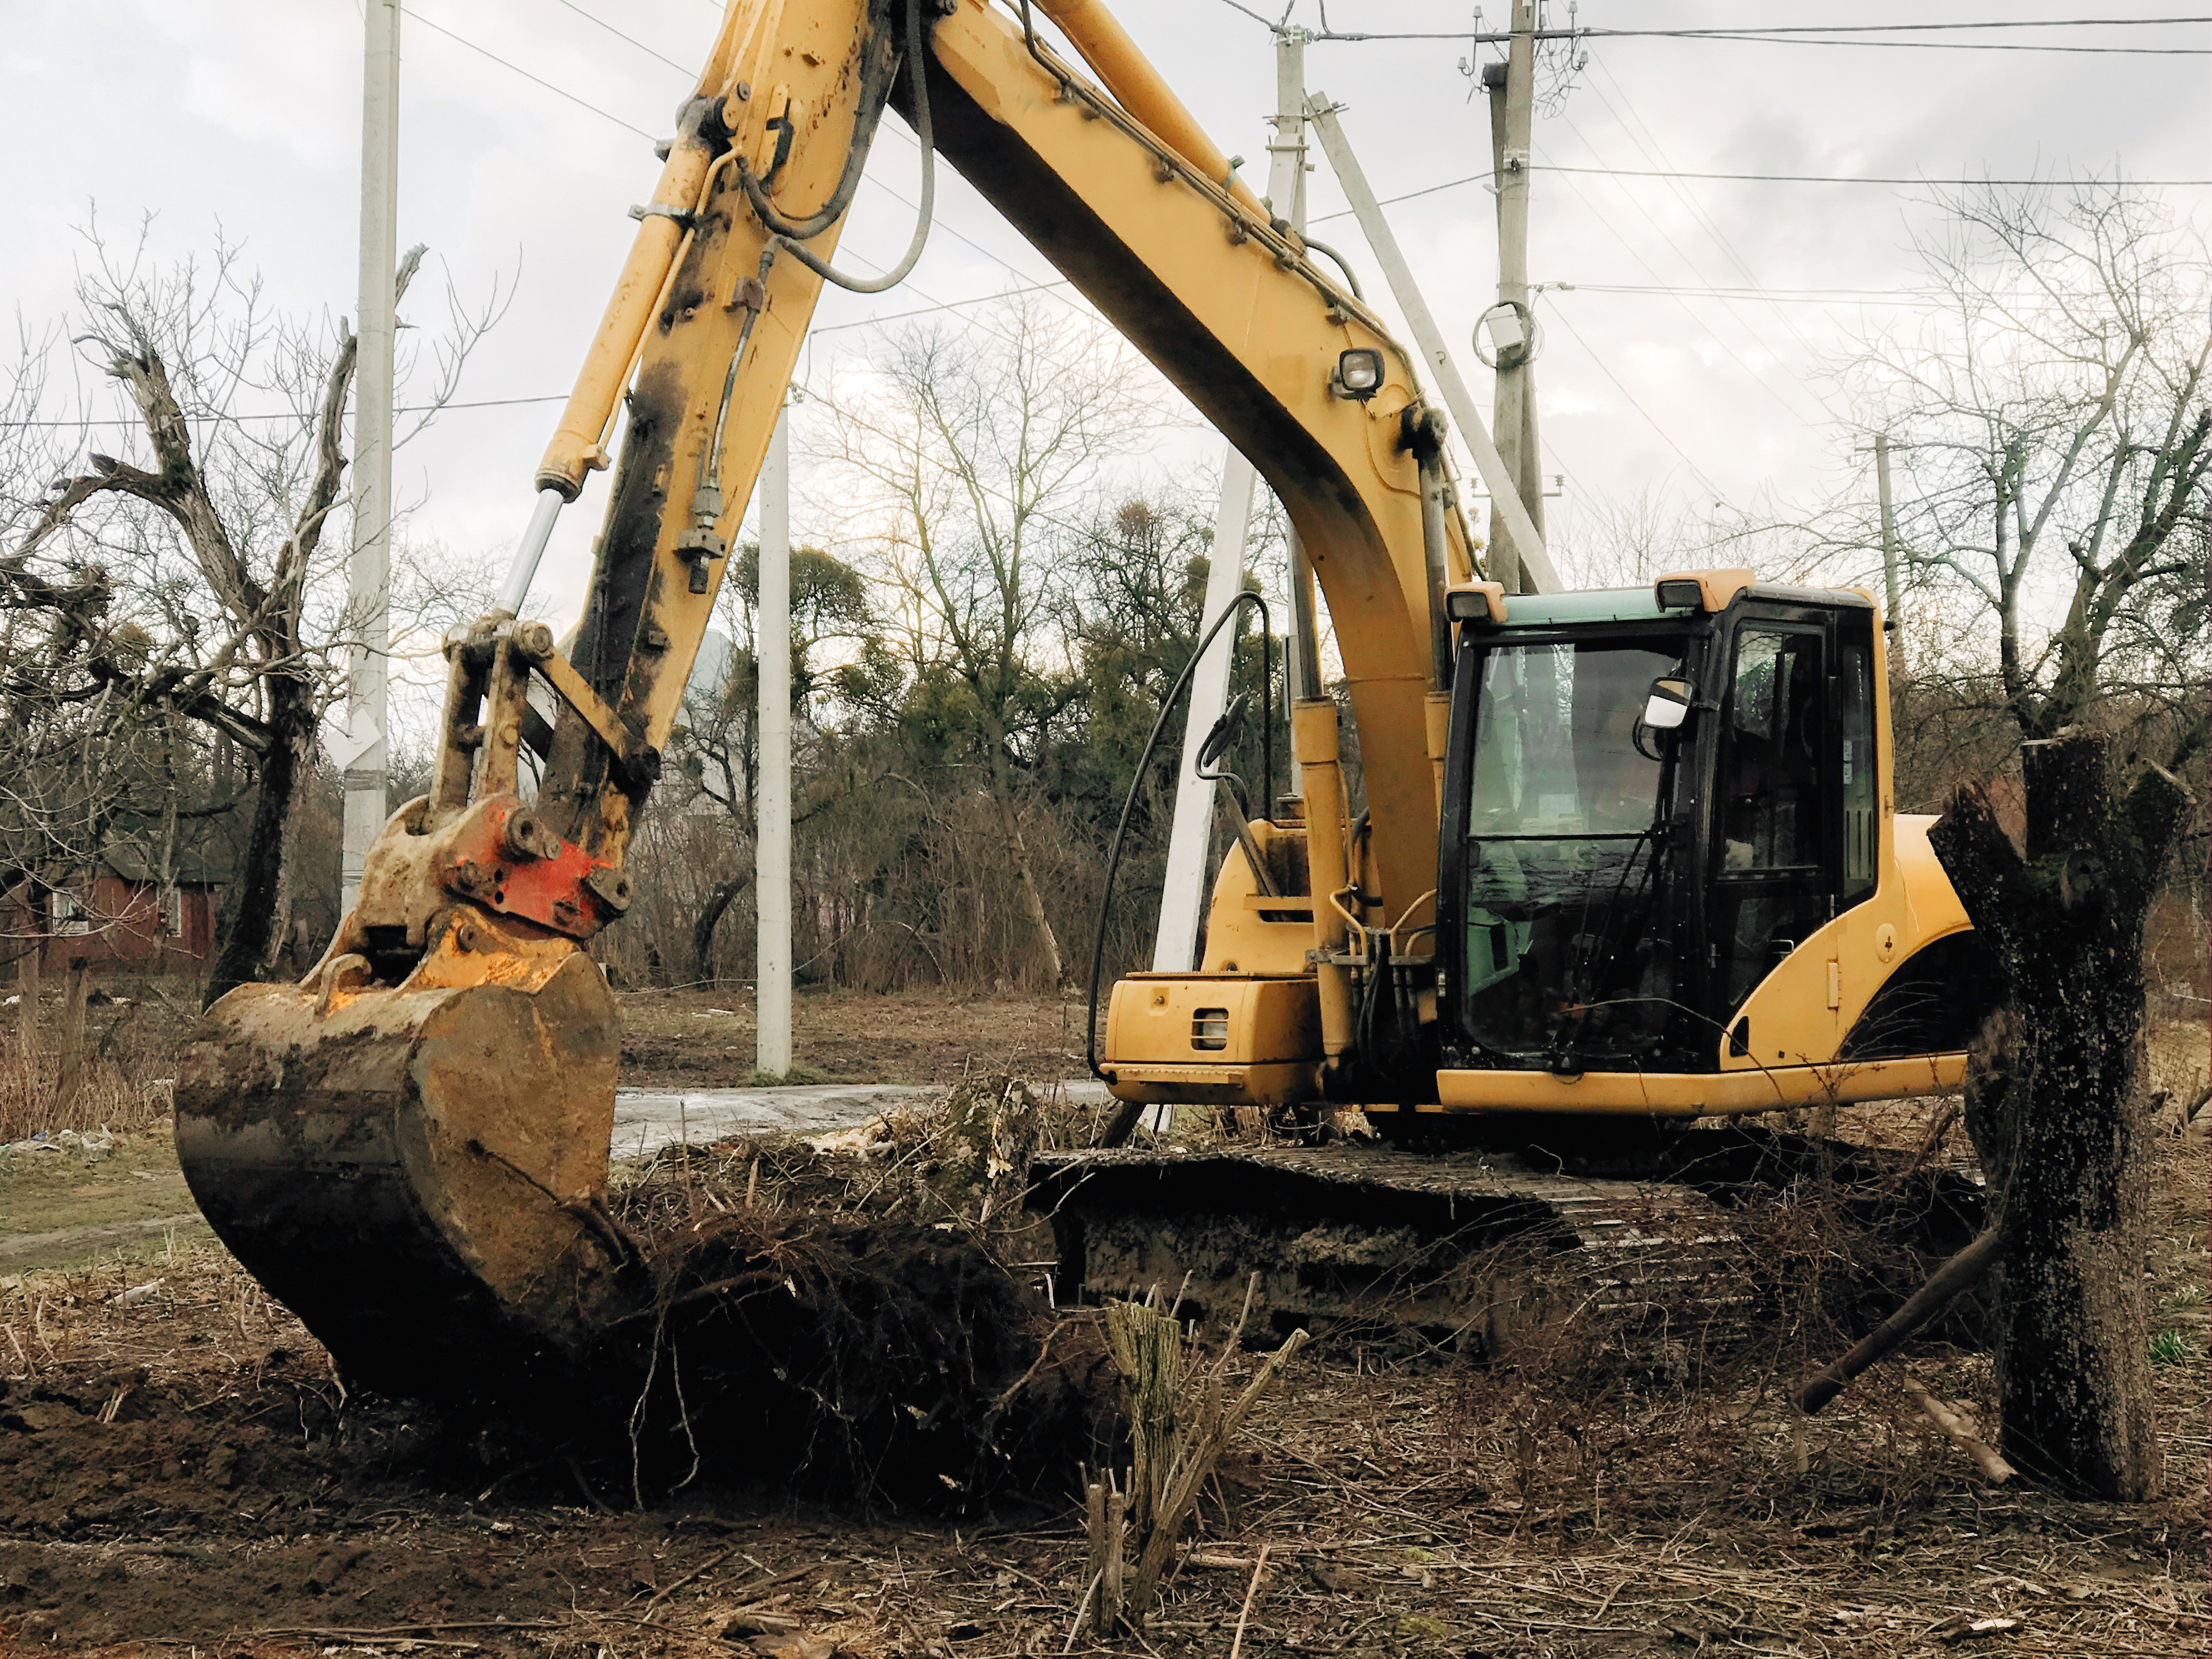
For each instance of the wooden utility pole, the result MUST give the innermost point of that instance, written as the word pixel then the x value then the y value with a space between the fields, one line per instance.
pixel 772 794
pixel 1894 617
pixel 368 605
pixel 1512 86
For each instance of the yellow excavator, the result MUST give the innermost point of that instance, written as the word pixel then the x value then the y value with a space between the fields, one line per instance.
pixel 1627 855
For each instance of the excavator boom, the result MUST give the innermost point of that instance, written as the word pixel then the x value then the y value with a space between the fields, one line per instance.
pixel 410 1145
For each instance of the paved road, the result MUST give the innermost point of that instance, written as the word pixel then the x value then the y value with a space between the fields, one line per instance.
pixel 647 1119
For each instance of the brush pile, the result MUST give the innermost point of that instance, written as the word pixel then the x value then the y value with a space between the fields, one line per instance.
pixel 857 1314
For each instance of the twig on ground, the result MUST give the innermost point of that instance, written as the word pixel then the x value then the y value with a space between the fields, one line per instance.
pixel 1994 1468
pixel 1960 1274
pixel 707 1565
pixel 1081 1609
pixel 1259 1567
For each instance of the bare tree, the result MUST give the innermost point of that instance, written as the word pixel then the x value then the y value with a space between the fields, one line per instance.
pixel 211 551
pixel 2053 427
pixel 717 750
pixel 973 459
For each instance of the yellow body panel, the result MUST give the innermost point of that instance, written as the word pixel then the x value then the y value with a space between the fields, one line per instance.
pixel 1801 1013
pixel 1249 931
pixel 1223 1039
pixel 1697 1094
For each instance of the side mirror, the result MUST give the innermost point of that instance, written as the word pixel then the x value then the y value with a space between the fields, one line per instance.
pixel 1668 704
pixel 1224 733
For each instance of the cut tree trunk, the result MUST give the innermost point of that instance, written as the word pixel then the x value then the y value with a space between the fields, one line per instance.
pixel 257 910
pixel 69 1041
pixel 2057 1110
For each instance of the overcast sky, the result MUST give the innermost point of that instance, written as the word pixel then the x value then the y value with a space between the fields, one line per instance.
pixel 245 115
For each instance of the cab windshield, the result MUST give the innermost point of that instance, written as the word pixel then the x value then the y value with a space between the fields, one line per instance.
pixel 1566 963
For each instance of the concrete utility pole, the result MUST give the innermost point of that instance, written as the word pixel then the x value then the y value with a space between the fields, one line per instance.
pixel 365 759
pixel 1894 616
pixel 1182 891
pixel 1512 86
pixel 1286 190
pixel 772 794
pixel 1508 517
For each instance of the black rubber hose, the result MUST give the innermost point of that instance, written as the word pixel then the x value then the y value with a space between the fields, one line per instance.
pixel 1342 264
pixel 898 273
pixel 1125 1120
pixel 875 92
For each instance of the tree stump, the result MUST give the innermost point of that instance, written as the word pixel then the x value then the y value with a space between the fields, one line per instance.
pixel 2055 1107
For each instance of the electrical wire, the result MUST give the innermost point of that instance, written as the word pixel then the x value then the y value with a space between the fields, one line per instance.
pixel 134 421
pixel 1837 179
pixel 1767 178
pixel 1695 471
pixel 558 92
pixel 1764 295
pixel 1789 35
pixel 1682 254
pixel 1655 151
pixel 683 68
pixel 1613 229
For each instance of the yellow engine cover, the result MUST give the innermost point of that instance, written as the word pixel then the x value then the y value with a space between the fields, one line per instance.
pixel 1212 1039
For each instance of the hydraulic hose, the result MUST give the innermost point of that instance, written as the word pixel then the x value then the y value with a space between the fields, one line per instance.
pixel 875 92
pixel 785 241
pixel 1342 264
pixel 1126 1120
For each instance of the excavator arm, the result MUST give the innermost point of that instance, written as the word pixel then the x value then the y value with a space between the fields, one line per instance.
pixel 408 1147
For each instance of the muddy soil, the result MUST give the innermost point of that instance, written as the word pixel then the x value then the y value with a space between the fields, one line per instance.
pixel 235 1500
pixel 180 1470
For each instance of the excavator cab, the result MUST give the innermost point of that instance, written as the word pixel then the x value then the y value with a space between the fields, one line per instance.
pixel 1668 852
pixel 1616 885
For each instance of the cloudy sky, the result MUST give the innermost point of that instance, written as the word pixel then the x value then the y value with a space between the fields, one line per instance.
pixel 518 159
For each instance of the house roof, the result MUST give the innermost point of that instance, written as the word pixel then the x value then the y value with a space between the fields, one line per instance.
pixel 194 867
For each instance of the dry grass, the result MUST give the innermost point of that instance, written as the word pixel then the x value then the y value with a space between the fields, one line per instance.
pixel 108 1097
pixel 128 1047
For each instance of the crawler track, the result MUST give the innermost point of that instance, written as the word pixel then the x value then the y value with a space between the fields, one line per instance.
pixel 1476 1250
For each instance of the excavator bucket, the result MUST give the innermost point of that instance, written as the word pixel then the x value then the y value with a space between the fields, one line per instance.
pixel 419 1172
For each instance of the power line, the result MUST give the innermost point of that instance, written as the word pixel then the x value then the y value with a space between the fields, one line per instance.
pixel 632 39
pixel 1768 177
pixel 1817 34
pixel 560 92
pixel 1838 178
pixel 1695 471
pixel 1915 28
pixel 1655 153
pixel 1765 296
pixel 305 416
pixel 1752 374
